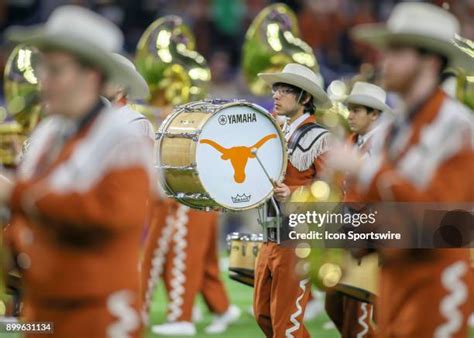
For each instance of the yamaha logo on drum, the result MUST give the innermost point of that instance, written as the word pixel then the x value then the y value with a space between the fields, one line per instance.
pixel 241 198
pixel 238 118
pixel 222 120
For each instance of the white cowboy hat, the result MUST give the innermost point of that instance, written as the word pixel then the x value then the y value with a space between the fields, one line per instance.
pixel 80 32
pixel 415 24
pixel 135 86
pixel 368 95
pixel 302 77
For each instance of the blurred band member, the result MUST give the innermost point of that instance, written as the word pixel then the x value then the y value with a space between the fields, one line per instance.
pixel 182 249
pixel 121 95
pixel 281 293
pixel 425 155
pixel 79 202
pixel 366 103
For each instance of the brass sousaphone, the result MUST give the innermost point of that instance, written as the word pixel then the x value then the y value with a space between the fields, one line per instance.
pixel 166 57
pixel 23 109
pixel 465 75
pixel 271 42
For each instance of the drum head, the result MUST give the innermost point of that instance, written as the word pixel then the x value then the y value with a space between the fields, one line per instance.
pixel 228 170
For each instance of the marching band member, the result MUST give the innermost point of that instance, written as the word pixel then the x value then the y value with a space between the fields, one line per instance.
pixel 80 199
pixel 280 294
pixel 366 103
pixel 425 155
pixel 136 89
pixel 165 209
pixel 185 254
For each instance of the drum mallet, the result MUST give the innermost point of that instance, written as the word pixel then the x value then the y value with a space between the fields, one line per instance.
pixel 275 205
pixel 254 152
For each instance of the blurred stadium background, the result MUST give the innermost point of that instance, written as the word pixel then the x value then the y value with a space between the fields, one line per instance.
pixel 220 27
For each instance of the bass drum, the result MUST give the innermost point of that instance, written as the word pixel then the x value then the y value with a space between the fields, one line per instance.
pixel 206 154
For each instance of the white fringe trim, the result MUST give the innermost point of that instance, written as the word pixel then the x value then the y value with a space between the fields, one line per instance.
pixel 303 160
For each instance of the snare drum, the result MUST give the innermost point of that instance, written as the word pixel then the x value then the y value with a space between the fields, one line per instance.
pixel 243 252
pixel 360 278
pixel 205 155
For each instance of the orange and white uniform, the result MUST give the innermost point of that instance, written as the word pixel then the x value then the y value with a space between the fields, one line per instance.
pixel 281 294
pixel 352 317
pixel 136 120
pixel 79 208
pixel 424 292
pixel 181 248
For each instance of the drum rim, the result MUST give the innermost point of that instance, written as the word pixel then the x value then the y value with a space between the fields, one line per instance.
pixel 342 288
pixel 241 278
pixel 158 143
pixel 249 236
pixel 179 109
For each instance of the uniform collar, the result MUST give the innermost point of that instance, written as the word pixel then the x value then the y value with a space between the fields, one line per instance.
pixel 303 119
pixel 360 140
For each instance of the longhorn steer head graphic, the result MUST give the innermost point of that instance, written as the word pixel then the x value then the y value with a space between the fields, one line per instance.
pixel 238 155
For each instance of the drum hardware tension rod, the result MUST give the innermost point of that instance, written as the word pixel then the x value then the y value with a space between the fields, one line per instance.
pixel 180 168
pixel 179 135
pixel 254 152
pixel 193 196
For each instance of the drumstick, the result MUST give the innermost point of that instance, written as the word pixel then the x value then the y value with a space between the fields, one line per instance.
pixel 254 152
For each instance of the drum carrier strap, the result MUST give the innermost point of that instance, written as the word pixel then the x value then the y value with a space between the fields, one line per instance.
pixel 299 133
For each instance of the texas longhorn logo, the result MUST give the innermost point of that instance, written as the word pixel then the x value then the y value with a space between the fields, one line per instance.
pixel 238 155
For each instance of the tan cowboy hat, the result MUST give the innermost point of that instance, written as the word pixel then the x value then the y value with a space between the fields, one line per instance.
pixel 302 77
pixel 135 86
pixel 80 32
pixel 368 95
pixel 415 24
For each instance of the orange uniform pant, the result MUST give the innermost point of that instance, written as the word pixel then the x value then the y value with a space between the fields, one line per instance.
pixel 352 318
pixel 280 295
pixel 186 245
pixel 154 250
pixel 423 297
